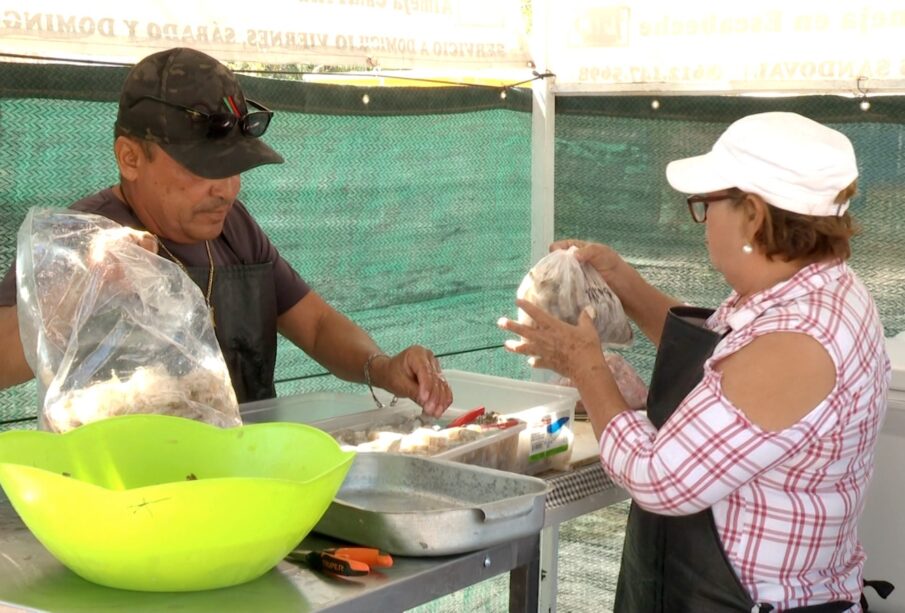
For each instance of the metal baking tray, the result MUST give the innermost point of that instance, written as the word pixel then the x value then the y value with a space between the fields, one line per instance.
pixel 415 506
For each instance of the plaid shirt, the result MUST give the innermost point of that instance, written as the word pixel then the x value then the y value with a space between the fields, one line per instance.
pixel 787 503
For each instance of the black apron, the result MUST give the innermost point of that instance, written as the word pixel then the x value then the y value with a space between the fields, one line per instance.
pixel 245 314
pixel 677 564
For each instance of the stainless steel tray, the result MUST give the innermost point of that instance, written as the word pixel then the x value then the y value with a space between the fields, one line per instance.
pixel 413 506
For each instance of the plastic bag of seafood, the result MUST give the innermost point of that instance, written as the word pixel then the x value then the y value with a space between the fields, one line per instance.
pixel 110 328
pixel 563 286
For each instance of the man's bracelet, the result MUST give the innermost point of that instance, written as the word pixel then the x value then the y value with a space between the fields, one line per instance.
pixel 370 359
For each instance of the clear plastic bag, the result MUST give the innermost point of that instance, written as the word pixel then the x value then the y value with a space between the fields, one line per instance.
pixel 563 286
pixel 110 328
pixel 630 384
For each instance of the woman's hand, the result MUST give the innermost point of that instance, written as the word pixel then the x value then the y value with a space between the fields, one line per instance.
pixel 554 344
pixel 605 260
pixel 642 302
pixel 573 352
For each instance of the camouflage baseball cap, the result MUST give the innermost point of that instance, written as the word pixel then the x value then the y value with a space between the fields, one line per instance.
pixel 192 106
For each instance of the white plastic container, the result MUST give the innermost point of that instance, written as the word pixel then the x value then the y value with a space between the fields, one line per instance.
pixel 306 408
pixel 496 448
pixel 548 410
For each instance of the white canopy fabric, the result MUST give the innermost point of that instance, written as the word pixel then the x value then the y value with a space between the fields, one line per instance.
pixel 387 33
pixel 721 46
pixel 592 46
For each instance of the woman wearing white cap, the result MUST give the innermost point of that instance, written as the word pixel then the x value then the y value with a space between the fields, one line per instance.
pixel 749 469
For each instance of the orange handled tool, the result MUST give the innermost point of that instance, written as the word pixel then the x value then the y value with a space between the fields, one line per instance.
pixel 343 561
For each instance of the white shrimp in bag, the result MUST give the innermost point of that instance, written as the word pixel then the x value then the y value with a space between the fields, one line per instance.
pixel 563 286
pixel 110 328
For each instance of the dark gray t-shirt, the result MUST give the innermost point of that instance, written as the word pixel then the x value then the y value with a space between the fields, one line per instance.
pixel 242 242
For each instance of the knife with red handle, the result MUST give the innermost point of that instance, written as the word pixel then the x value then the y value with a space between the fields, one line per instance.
pixel 466 418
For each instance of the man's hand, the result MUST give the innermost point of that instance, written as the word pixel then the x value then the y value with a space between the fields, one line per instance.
pixel 14 368
pixel 104 240
pixel 414 373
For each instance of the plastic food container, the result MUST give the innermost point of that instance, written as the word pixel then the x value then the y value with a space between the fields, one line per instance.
pixel 548 411
pixel 498 450
pixel 495 448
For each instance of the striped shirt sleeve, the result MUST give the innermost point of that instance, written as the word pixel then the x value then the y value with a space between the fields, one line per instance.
pixel 704 452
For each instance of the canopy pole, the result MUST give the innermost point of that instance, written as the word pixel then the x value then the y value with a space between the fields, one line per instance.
pixel 543 144
pixel 543 120
pixel 542 156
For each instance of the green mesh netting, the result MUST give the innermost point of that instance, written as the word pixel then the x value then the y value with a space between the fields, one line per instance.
pixel 408 214
pixel 411 214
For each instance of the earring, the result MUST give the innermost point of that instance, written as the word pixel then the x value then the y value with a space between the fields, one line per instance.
pixel 747 249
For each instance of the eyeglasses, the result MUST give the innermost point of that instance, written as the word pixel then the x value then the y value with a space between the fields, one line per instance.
pixel 698 203
pixel 252 124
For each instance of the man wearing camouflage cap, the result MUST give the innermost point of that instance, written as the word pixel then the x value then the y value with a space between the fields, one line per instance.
pixel 184 134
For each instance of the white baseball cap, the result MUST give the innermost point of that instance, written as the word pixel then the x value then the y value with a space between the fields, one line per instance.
pixel 792 162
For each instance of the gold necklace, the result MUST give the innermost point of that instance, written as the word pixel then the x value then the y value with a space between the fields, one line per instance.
pixel 210 274
pixel 207 245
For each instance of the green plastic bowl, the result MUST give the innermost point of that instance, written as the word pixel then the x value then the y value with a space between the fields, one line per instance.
pixel 160 503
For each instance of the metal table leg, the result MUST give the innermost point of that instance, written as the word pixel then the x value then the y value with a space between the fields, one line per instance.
pixel 549 568
pixel 524 583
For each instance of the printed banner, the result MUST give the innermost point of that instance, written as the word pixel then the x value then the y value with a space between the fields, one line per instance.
pixel 385 33
pixel 718 45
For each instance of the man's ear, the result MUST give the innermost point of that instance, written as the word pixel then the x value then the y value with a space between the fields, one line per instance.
pixel 129 157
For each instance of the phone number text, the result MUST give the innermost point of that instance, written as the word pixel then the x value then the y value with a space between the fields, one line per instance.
pixel 649 74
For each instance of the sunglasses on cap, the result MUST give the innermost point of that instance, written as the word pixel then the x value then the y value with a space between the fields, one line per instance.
pixel 252 124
